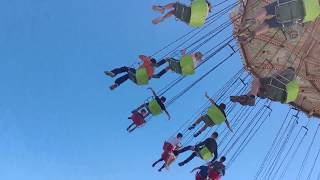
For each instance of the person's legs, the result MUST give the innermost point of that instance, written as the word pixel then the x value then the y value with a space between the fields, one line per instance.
pixel 128 129
pixel 196 122
pixel 187 148
pixel 160 19
pixel 162 167
pixel 135 127
pixel 161 73
pixel 194 154
pixel 117 71
pixel 201 130
pixel 161 9
pixel 155 163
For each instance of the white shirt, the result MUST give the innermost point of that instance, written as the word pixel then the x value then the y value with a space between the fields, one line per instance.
pixel 174 141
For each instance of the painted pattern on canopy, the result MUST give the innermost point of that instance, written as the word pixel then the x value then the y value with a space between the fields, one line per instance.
pixel 271 52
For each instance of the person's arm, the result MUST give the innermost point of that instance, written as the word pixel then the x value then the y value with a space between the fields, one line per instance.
pixel 209 98
pixel 228 125
pixel 223 171
pixel 154 93
pixel 201 144
pixel 169 117
pixel 195 169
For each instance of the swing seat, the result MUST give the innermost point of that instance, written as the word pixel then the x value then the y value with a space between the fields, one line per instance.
pixel 187 66
pixel 312 8
pixel 205 154
pixel 137 119
pixel 154 108
pixel 142 77
pixel 215 114
pixel 199 13
pixel 290 12
pixel 292 89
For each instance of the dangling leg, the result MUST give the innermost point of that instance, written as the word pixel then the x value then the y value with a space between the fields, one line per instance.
pixel 155 163
pixel 196 123
pixel 119 81
pixel 160 19
pixel 187 148
pixel 162 72
pixel 201 130
pixel 161 9
pixel 194 154
pixel 162 167
pixel 135 127
pixel 117 71
pixel 128 129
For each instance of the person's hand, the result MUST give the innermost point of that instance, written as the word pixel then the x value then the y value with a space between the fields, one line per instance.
pixel 206 95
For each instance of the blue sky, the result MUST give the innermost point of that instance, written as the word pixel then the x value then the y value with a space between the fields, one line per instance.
pixel 58 119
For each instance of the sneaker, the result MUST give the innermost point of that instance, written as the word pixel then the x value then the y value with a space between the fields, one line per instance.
pixel 109 73
pixel 156 21
pixel 251 100
pixel 181 164
pixel 112 87
pixel 197 134
pixel 154 164
pixel 191 127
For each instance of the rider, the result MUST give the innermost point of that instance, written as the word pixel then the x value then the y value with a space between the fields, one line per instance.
pixel 148 64
pixel 217 169
pixel 179 10
pixel 170 148
pixel 212 117
pixel 210 144
pixel 196 58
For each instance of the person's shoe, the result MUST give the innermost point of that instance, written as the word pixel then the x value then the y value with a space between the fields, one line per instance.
pixel 109 73
pixel 154 164
pixel 159 9
pixel 191 127
pixel 156 21
pixel 181 164
pixel 160 170
pixel 113 86
pixel 197 134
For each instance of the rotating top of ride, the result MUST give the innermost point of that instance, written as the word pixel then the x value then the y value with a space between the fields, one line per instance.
pixel 272 51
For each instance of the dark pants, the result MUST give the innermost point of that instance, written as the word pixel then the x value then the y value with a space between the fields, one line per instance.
pixel 125 77
pixel 187 148
pixel 161 62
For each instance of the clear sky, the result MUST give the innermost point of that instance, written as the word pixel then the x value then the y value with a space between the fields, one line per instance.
pixel 58 119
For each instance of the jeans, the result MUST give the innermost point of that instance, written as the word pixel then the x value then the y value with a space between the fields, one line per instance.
pixel 125 77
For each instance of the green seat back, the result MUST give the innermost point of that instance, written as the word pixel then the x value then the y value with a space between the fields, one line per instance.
pixel 215 114
pixel 199 13
pixel 154 108
pixel 205 154
pixel 312 8
pixel 187 65
pixel 142 77
pixel 292 89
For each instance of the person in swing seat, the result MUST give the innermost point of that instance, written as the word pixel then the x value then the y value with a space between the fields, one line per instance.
pixel 216 115
pixel 174 64
pixel 179 10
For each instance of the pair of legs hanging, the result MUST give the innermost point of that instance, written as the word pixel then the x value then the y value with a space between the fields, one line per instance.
pixel 207 123
pixel 128 72
pixel 166 69
pixel 180 11
pixel 164 164
pixel 193 155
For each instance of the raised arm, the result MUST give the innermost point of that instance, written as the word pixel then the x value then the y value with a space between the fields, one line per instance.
pixel 228 125
pixel 167 113
pixel 209 98
pixel 154 93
